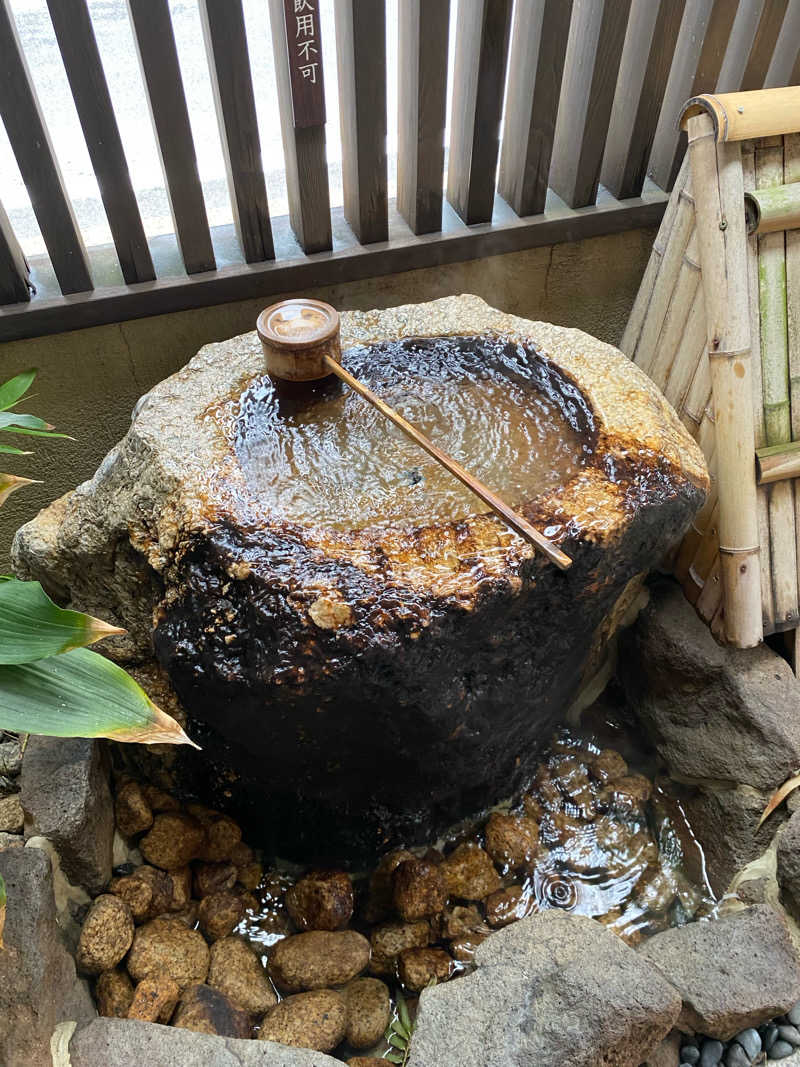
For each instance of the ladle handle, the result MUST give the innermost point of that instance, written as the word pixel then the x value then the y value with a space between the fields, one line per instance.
pixel 512 518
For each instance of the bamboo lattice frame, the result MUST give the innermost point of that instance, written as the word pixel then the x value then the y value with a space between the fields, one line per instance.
pixel 716 324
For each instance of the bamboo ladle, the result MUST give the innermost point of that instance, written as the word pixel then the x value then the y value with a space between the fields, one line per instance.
pixel 300 339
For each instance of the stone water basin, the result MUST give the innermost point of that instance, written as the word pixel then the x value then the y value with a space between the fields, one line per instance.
pixel 364 654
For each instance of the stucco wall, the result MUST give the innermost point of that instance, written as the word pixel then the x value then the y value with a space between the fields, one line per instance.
pixel 90 379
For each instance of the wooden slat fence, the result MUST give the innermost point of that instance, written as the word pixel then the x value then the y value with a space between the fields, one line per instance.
pixel 586 91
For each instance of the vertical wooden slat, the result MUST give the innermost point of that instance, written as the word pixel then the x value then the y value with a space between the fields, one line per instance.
pixel 595 45
pixel 37 163
pixel 304 153
pixel 791 173
pixel 769 26
pixel 787 49
pixel 538 51
pixel 229 66
pixel 361 62
pixel 158 58
pixel 478 78
pixel 422 105
pixel 632 129
pixel 14 273
pixel 87 80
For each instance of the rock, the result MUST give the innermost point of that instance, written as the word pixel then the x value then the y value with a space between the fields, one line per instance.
pixel 608 766
pixel 458 921
pixel 38 984
pixel 735 1056
pixel 250 876
pixel 368 1011
pixel 159 800
pixel 124 1043
pixel 220 913
pixel 132 810
pixel 780 1050
pixel 666 1054
pixel 788 862
pixel 213 878
pixel 167 947
pixel 318 959
pixel 236 971
pixel 181 880
pixel 750 1040
pixel 11 841
pixel 147 892
pixel 511 840
pixel 748 701
pixel 463 949
pixel 418 889
pixel 67 798
pixel 469 873
pixel 222 837
pixel 207 1011
pixel 10 757
pixel 321 900
pixel 711 1053
pixel 114 993
pixel 551 989
pixel 733 973
pixel 106 935
pixel 316 1020
pixel 11 814
pixel 507 905
pixel 690 1054
pixel 787 1032
pixel 167 533
pixel 174 840
pixel 389 939
pixel 241 855
pixel 154 999
pixel 365 1061
pixel 379 900
pixel 418 967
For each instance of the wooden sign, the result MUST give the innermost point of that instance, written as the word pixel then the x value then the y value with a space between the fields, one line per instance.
pixel 304 44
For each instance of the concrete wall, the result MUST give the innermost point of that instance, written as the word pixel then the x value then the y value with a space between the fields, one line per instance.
pixel 90 379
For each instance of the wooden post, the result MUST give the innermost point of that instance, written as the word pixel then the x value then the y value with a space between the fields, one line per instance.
pixel 719 193
pixel 14 273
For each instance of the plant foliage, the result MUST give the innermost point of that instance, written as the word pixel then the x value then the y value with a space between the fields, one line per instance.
pixel 399 1034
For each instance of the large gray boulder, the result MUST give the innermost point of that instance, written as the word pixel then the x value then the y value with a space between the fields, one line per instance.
pixel 788 863
pixel 127 1042
pixel 38 984
pixel 66 797
pixel 550 990
pixel 733 973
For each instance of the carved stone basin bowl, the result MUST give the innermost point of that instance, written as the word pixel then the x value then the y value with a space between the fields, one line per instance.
pixel 364 654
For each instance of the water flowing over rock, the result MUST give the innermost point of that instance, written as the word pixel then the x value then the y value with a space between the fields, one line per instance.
pixel 363 654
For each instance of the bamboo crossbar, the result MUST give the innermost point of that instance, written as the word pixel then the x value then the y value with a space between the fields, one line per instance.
pixel 742 116
pixel 776 463
pixel 773 209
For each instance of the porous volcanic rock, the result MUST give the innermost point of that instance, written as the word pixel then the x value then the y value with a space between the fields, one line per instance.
pixel 553 988
pixel 450 647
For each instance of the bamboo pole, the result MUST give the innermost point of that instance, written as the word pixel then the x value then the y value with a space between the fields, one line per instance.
pixel 739 116
pixel 669 349
pixel 777 463
pixel 775 375
pixel 770 210
pixel 707 551
pixel 711 593
pixel 791 173
pixel 692 351
pixel 718 192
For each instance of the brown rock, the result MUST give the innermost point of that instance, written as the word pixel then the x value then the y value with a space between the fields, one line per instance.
pixel 463 949
pixel 418 889
pixel 389 939
pixel 379 900
pixel 11 815
pixel 458 921
pixel 608 766
pixel 365 1061
pixel 321 900
pixel 368 1011
pixel 167 947
pixel 470 874
pixel 154 999
pixel 557 828
pixel 533 807
pixel 173 841
pixel 507 905
pixel 147 891
pixel 106 935
pixel 187 915
pixel 511 840
pixel 207 1011
pixel 222 837
pixel 132 811
pixel 181 879
pixel 626 795
pixel 220 914
pixel 236 971
pixel 213 878
pixel 318 959
pixel 241 855
pixel 250 875
pixel 113 993
pixel 159 800
pixel 316 1020
pixel 418 967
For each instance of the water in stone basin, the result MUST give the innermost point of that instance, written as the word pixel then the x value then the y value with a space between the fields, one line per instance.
pixel 319 454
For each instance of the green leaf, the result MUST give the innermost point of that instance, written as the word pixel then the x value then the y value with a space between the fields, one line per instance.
pixel 27 432
pixel 395 1057
pixel 33 627
pixel 398 1028
pixel 82 694
pixel 29 422
pixel 9 450
pixel 403 1013
pixel 397 1041
pixel 9 483
pixel 15 389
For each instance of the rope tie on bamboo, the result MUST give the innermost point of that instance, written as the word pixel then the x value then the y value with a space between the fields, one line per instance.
pixel 740 551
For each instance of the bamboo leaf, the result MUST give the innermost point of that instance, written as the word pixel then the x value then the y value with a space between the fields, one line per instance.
pixel 14 389
pixel 2 908
pixel 28 432
pixel 32 627
pixel 30 422
pixel 82 694
pixel 9 483
pixel 10 450
pixel 778 797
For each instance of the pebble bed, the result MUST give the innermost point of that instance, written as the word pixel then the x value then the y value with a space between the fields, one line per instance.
pixel 771 1041
pixel 195 930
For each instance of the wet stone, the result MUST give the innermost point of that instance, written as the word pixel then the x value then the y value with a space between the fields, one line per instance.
pixel 106 935
pixel 174 840
pixel 418 967
pixel 507 905
pixel 236 971
pixel 181 884
pixel 793 1015
pixel 114 993
pixel 132 810
pixel 220 913
pixel 213 878
pixel 159 800
pixel 315 1020
pixel 608 766
pixel 368 1011
pixel 463 949
pixel 147 891
pixel 154 999
pixel 166 946
pixel 458 921
pixel 511 840
pixel 207 1011
pixel 469 873
pixel 223 835
pixel 321 900
pixel 379 900
pixel 418 889
pixel 318 959
pixel 390 939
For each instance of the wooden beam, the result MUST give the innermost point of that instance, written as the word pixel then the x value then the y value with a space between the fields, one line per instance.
pixel 158 58
pixel 478 79
pixel 229 65
pixel 594 51
pixel 538 50
pixel 303 149
pixel 361 62
pixel 769 26
pixel 30 141
pixel 264 280
pixel 14 272
pixel 422 101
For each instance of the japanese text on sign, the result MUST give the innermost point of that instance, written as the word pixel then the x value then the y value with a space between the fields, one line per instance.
pixel 304 44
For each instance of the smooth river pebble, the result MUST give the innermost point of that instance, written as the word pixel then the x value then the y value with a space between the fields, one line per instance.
pixel 789 1033
pixel 711 1053
pixel 780 1050
pixel 750 1040
pixel 736 1056
pixel 794 1015
pixel 690 1054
